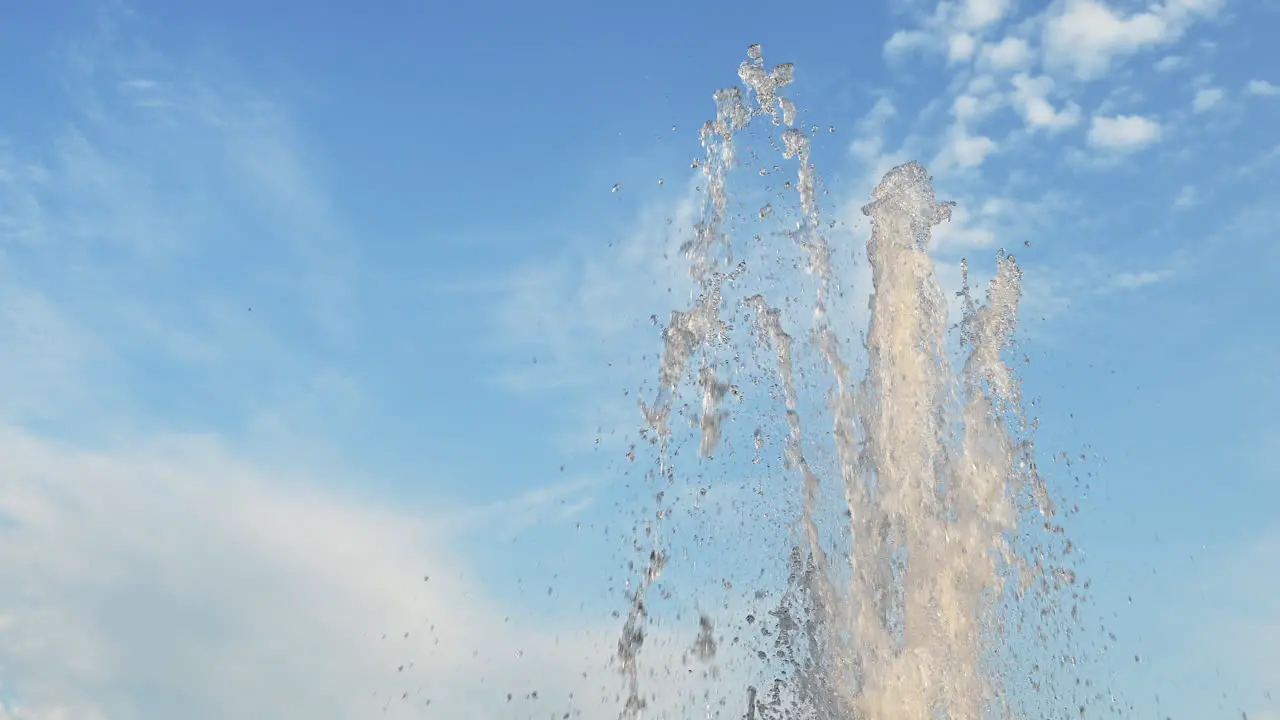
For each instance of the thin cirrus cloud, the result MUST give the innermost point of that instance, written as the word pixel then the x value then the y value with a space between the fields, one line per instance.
pixel 243 591
pixel 1262 88
pixel 147 571
pixel 161 210
pixel 1207 99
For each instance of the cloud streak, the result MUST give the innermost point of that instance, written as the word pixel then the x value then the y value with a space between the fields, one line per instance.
pixel 172 577
pixel 169 207
pixel 173 260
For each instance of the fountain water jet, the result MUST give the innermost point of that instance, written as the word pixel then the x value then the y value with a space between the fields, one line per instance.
pixel 931 454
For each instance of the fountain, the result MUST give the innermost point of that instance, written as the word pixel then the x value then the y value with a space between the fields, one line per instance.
pixel 925 570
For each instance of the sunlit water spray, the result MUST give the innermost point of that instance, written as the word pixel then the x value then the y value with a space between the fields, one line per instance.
pixel 915 600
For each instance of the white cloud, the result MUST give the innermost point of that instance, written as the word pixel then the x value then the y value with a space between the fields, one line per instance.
pixel 1243 627
pixel 964 150
pixel 981 85
pixel 1135 280
pixel 1187 197
pixel 950 29
pixel 550 308
pixel 1207 99
pixel 196 200
pixel 970 109
pixel 1010 53
pixel 870 130
pixel 1202 80
pixel 1086 36
pixel 1262 88
pixel 1169 63
pixel 965 230
pixel 873 156
pixel 960 47
pixel 981 13
pixel 970 151
pixel 155 577
pixel 1123 132
pixel 904 42
pixel 168 576
pixel 1030 96
pixel 966 108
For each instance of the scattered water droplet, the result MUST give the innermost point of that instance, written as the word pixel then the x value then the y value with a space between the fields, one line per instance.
pixel 904 441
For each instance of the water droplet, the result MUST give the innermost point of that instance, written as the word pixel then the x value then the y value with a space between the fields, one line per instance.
pixel 902 210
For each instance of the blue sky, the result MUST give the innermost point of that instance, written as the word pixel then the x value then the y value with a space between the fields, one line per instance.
pixel 300 305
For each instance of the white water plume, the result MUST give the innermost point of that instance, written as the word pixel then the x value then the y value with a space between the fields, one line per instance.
pixel 909 600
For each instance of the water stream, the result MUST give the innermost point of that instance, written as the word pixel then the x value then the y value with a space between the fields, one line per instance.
pixel 925 577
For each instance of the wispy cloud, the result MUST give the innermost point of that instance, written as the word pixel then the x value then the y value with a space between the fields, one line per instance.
pixel 1208 98
pixel 561 500
pixel 177 216
pixel 174 260
pixel 569 314
pixel 1187 197
pixel 1133 280
pixel 1262 88
pixel 233 590
pixel 1243 632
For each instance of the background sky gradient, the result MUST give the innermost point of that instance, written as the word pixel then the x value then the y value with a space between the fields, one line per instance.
pixel 301 304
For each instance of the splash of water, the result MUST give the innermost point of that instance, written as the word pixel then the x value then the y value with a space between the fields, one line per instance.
pixel 902 612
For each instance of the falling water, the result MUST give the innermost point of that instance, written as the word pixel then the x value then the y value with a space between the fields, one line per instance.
pixel 910 601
